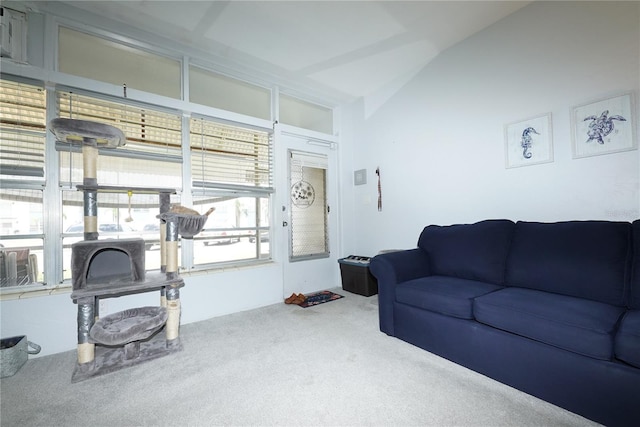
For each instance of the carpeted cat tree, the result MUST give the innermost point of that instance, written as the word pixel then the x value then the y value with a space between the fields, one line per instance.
pixel 116 267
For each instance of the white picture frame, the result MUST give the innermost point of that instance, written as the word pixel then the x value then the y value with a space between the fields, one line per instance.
pixel 604 126
pixel 529 142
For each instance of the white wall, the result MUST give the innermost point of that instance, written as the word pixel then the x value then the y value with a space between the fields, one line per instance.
pixel 439 142
pixel 50 320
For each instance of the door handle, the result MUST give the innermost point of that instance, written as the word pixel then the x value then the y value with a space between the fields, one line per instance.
pixel 285 223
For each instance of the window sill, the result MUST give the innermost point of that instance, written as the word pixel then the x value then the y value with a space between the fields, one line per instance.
pixel 33 291
pixel 221 268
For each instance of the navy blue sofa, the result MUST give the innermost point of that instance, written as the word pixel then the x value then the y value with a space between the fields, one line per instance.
pixel 552 309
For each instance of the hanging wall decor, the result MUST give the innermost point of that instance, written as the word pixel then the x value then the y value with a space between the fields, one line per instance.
pixel 529 142
pixel 604 126
pixel 303 194
pixel 379 190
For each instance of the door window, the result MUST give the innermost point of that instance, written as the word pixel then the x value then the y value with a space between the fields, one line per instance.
pixel 309 208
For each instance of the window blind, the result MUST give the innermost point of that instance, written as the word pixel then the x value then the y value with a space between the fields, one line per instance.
pixel 22 130
pixel 152 156
pixel 227 157
pixel 147 130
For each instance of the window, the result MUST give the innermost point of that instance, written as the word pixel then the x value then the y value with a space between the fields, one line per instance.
pixel 309 208
pixel 231 169
pixel 152 154
pixel 229 94
pixel 22 167
pixel 151 159
pixel 23 129
pixel 302 114
pixel 96 58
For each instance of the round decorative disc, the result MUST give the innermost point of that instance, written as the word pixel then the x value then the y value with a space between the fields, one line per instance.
pixel 303 194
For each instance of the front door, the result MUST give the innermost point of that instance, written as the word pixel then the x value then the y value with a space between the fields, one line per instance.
pixel 308 209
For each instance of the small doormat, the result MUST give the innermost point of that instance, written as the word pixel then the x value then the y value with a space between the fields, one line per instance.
pixel 320 298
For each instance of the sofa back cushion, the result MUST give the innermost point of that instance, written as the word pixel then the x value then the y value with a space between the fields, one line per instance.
pixel 468 251
pixel 587 259
pixel 634 297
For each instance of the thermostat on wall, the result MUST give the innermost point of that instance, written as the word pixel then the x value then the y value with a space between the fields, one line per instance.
pixel 360 177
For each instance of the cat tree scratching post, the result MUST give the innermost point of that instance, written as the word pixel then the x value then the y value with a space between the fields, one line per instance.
pixel 172 295
pixel 90 181
pixel 116 267
pixel 186 226
pixel 90 135
pixel 165 205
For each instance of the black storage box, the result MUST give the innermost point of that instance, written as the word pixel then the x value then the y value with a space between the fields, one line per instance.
pixel 356 276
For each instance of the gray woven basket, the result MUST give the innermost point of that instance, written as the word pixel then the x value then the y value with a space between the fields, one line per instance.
pixel 14 353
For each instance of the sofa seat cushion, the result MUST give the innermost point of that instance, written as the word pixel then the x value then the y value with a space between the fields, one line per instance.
pixel 627 342
pixel 579 325
pixel 442 294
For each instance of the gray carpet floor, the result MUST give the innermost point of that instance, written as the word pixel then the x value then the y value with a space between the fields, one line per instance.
pixel 276 365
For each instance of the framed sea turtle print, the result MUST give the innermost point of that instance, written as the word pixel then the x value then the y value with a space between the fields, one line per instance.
pixel 604 126
pixel 529 142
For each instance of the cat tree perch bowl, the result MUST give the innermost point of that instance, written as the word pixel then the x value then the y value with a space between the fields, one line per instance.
pixel 86 132
pixel 188 225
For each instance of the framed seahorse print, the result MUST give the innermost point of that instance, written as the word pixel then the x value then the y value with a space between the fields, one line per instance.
pixel 529 142
pixel 604 126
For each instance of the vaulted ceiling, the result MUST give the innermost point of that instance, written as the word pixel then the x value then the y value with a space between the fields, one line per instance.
pixel 344 49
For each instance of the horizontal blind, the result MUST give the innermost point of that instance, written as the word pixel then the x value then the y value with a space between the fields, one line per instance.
pixel 309 160
pixel 22 130
pixel 148 131
pixel 229 156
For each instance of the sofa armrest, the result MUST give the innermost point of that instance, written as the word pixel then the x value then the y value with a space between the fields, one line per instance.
pixel 393 268
pixel 400 266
